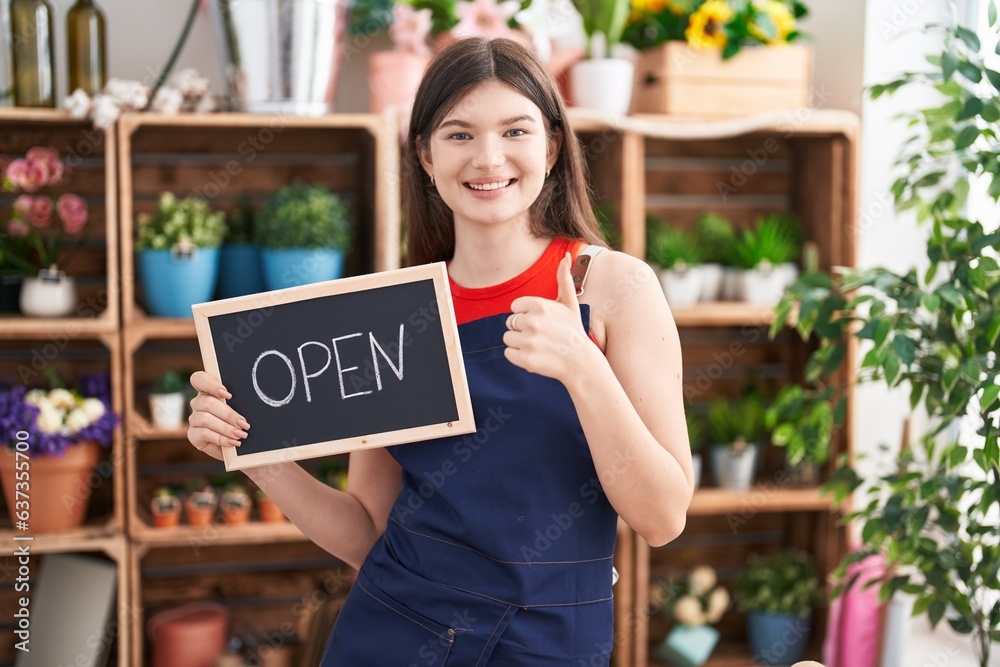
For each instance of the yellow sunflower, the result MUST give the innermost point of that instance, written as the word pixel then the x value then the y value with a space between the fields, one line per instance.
pixel 706 29
pixel 647 6
pixel 782 18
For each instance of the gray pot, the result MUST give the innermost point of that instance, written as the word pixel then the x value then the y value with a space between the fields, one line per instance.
pixel 280 56
pixel 734 468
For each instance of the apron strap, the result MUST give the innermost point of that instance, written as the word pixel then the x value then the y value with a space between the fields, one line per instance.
pixel 582 266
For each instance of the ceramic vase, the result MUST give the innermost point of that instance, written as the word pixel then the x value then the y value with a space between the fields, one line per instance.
pixel 49 294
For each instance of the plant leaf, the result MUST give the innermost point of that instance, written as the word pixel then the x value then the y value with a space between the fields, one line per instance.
pixel 967 137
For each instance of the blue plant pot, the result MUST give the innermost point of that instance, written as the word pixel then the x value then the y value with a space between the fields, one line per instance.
pixel 240 270
pixel 171 284
pixel 291 267
pixel 778 639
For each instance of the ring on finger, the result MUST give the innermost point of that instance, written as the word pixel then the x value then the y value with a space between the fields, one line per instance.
pixel 512 322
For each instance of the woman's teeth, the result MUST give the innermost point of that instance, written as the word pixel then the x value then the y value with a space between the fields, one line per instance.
pixel 490 186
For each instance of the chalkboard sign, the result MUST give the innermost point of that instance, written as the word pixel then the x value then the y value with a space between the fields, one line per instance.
pixel 333 367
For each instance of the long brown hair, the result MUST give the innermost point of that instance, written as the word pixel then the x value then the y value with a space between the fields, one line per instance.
pixel 563 207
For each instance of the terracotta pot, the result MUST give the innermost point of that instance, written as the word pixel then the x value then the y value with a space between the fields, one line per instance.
pixel 58 486
pixel 234 514
pixel 201 512
pixel 192 635
pixel 393 77
pixel 166 512
pixel 269 512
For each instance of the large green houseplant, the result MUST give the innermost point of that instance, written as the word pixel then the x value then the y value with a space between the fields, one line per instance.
pixel 933 516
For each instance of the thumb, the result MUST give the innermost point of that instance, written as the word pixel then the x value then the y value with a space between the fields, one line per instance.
pixel 567 290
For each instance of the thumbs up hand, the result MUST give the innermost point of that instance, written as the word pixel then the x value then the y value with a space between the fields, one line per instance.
pixel 545 336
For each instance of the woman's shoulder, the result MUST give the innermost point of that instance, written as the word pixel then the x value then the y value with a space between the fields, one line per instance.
pixel 615 274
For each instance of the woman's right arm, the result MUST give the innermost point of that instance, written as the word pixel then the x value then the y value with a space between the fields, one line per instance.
pixel 345 523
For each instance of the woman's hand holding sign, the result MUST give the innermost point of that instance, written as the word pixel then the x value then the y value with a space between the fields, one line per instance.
pixel 213 424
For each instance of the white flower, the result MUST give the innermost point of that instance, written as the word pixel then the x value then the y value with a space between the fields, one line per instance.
pixel 93 408
pixel 718 602
pixel 106 111
pixel 189 83
pixel 205 104
pixel 50 418
pixel 79 104
pixel 702 579
pixel 168 100
pixel 687 610
pixel 130 95
pixel 35 396
pixel 77 420
pixel 62 399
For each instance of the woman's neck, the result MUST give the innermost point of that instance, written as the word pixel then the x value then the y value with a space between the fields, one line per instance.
pixel 492 257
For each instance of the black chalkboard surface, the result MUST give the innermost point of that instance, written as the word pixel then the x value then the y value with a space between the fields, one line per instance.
pixel 332 367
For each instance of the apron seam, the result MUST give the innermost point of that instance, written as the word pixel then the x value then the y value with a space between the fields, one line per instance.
pixel 487 645
pixel 526 606
pixel 411 620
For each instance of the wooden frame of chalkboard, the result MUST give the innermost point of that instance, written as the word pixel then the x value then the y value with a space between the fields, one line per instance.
pixel 391 339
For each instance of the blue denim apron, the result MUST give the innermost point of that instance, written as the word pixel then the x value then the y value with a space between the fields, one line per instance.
pixel 498 550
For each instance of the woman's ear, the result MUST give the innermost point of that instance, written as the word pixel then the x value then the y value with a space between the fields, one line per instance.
pixel 424 155
pixel 554 146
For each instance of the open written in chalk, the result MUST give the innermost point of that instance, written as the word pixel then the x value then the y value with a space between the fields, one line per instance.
pixel 332 367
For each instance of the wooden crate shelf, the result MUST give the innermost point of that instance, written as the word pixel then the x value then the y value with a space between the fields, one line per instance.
pixel 761 498
pixel 91 156
pixel 254 532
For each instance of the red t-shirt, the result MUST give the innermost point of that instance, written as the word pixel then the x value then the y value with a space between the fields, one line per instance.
pixel 539 279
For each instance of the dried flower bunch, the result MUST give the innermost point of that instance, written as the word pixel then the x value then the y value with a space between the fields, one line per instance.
pixel 728 25
pixel 185 91
pixel 35 210
pixel 56 418
pixel 694 598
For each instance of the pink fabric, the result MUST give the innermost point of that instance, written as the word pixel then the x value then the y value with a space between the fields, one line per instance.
pixel 855 622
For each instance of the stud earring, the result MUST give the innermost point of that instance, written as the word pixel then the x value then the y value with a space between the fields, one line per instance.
pixel 432 179
pixel 547 173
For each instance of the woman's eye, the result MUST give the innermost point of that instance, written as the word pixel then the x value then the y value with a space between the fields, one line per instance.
pixel 459 135
pixel 518 133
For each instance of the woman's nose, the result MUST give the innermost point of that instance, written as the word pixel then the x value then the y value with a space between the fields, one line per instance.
pixel 490 154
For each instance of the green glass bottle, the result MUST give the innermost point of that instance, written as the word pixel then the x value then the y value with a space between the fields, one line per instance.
pixel 33 53
pixel 87 51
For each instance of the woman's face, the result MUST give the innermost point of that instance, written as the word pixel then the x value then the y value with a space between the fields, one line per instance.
pixel 489 155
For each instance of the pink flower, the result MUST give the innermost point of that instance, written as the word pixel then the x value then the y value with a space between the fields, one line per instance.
pixel 41 212
pixel 46 161
pixel 410 28
pixel 484 18
pixel 73 212
pixel 17 228
pixel 23 205
pixel 26 175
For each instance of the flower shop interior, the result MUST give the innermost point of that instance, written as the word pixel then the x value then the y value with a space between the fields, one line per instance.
pixel 814 182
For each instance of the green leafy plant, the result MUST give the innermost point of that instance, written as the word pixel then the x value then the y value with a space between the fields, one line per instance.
pixel 716 238
pixel 240 222
pixel 801 425
pixel 170 382
pixel 604 17
pixel 304 216
pixel 779 583
pixel 773 240
pixel 722 24
pixel 932 514
pixel 178 222
pixel 673 248
pixel 731 421
pixel 696 430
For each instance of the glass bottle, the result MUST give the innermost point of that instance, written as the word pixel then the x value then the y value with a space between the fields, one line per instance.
pixel 33 53
pixel 87 50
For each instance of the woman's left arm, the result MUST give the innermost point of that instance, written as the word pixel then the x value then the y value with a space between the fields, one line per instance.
pixel 629 399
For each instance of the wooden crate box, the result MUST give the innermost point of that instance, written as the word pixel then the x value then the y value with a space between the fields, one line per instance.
pixel 679 80
pixel 224 158
pixel 91 157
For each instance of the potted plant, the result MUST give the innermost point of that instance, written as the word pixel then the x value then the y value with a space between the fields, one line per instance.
pixel 269 511
pixel 765 253
pixel 166 508
pixel 61 431
pixel 696 601
pixel 239 258
pixel 201 503
pixel 602 81
pixel 305 231
pixel 931 512
pixel 736 431
pixel 803 424
pixel 677 254
pixel 167 400
pixel 716 239
pixel 696 437
pixel 394 75
pixel 693 59
pixel 778 593
pixel 235 504
pixel 44 223
pixel 177 249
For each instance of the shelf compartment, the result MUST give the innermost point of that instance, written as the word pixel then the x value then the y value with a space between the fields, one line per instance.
pixel 91 155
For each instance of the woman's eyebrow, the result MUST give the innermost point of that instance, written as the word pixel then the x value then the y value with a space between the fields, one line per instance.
pixel 455 122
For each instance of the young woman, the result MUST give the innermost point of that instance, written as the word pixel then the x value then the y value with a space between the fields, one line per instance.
pixel 496 548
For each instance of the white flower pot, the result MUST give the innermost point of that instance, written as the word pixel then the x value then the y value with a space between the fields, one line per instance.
pixel 50 294
pixel 604 84
pixel 763 286
pixel 734 468
pixel 681 287
pixel 696 465
pixel 712 276
pixel 167 410
pixel 789 272
pixel 732 284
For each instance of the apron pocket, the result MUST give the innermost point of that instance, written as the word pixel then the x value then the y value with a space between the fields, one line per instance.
pixel 389 633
